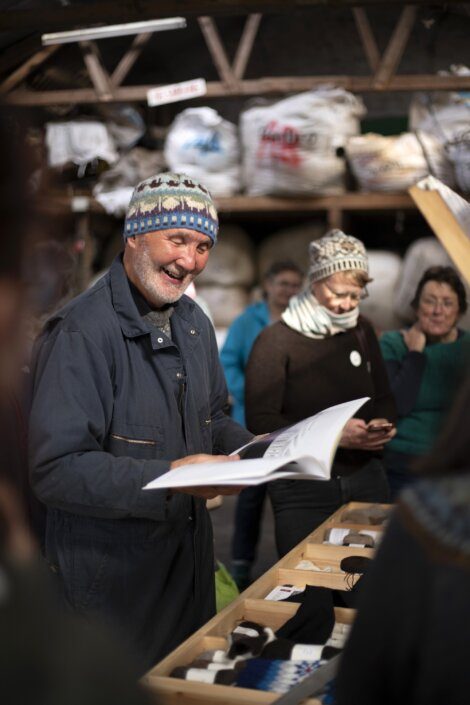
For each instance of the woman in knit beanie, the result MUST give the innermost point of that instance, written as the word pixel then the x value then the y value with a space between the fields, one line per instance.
pixel 323 353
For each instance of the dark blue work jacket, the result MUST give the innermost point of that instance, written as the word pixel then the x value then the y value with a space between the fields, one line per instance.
pixel 114 402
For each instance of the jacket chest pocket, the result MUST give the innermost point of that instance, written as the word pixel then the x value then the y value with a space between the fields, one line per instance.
pixel 135 441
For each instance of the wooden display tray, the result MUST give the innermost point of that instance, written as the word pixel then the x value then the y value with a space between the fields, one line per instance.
pixel 252 605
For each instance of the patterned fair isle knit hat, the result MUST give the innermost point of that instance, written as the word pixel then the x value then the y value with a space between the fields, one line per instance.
pixel 167 201
pixel 336 252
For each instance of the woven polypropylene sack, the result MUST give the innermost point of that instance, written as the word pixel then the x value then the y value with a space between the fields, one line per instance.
pixel 289 244
pixel 231 262
pixel 385 269
pixel 225 302
pixel 290 147
pixel 204 146
pixel 395 163
pixel 446 115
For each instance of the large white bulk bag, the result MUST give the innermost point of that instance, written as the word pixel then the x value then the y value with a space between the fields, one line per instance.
pixel 225 302
pixel 204 146
pixel 115 186
pixel 385 269
pixel 446 115
pixel 395 163
pixel 79 142
pixel 290 147
pixel 231 261
pixel 289 244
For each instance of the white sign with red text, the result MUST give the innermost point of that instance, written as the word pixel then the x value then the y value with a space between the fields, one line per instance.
pixel 176 91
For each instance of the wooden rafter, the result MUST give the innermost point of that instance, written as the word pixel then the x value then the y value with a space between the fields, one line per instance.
pixel 107 12
pixel 367 38
pixel 129 58
pixel 217 51
pixel 230 74
pixel 245 45
pixel 278 85
pixel 28 67
pixel 396 46
pixel 98 74
pixel 18 52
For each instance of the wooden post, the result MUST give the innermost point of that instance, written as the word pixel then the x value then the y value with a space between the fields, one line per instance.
pixel 367 37
pixel 396 46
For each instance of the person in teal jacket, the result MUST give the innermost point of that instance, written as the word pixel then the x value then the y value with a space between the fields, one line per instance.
pixel 425 365
pixel 281 281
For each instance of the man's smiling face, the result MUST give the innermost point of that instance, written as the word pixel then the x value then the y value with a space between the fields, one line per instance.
pixel 163 264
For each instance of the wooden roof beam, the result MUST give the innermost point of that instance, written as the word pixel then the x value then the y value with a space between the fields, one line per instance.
pixel 19 51
pixel 278 85
pixel 129 58
pixel 396 46
pixel 28 67
pixel 245 45
pixel 367 38
pixel 217 52
pixel 98 74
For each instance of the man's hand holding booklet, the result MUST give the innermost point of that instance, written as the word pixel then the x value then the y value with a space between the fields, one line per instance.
pixel 302 451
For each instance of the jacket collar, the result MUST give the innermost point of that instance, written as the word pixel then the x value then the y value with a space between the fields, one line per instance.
pixel 131 322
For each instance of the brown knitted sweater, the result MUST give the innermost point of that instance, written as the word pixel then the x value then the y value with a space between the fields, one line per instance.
pixel 290 377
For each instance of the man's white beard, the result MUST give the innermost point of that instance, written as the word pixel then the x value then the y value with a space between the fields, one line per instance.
pixel 147 273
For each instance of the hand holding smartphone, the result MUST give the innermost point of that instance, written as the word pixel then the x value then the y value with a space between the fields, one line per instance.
pixel 379 426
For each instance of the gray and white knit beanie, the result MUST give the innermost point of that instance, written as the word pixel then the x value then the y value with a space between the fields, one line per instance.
pixel 336 252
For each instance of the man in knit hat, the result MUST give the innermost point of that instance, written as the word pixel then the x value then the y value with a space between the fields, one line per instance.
pixel 127 385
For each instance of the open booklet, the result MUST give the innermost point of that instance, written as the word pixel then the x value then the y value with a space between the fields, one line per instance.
pixel 302 451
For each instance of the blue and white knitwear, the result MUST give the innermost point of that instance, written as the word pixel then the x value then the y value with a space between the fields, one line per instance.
pixel 168 201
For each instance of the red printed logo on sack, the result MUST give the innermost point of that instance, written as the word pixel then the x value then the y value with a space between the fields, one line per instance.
pixel 279 143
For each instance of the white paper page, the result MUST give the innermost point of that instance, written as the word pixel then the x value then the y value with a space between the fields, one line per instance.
pixel 201 474
pixel 315 439
pixel 295 442
pixel 316 436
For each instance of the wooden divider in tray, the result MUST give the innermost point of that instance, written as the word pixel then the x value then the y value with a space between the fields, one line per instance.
pixel 251 605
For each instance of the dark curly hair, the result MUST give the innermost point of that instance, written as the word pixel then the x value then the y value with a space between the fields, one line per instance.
pixel 443 275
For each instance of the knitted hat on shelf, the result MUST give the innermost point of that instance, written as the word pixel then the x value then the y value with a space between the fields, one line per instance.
pixel 336 252
pixel 167 201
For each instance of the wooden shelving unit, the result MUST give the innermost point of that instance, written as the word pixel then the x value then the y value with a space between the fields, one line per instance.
pixel 252 605
pixel 333 206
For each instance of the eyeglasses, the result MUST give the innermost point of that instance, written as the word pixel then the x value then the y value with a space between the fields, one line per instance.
pixel 431 302
pixel 343 295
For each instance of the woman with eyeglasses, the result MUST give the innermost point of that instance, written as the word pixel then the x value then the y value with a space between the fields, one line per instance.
pixel 425 365
pixel 322 353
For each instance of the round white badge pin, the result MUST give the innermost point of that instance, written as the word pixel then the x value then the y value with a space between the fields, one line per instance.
pixel 355 358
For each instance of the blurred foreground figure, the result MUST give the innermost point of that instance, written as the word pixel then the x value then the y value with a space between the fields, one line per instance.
pixel 411 641
pixel 46 657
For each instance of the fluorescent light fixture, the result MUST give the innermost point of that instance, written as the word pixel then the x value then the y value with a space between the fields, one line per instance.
pixel 113 30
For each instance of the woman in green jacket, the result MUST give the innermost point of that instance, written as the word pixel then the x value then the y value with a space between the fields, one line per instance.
pixel 425 364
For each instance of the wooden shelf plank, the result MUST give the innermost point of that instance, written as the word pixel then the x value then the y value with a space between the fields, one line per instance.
pixel 58 202
pixel 347 201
